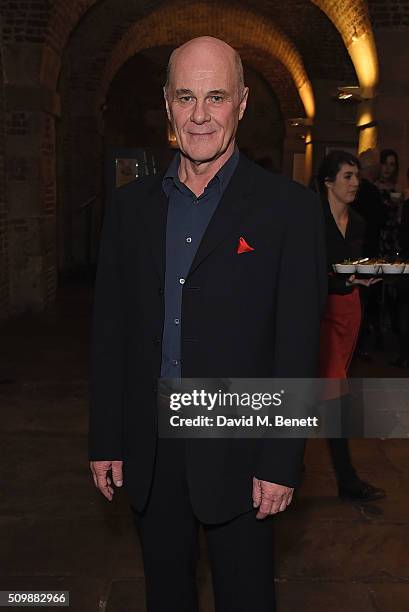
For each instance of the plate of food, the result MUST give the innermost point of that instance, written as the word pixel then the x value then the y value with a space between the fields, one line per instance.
pixel 346 267
pixel 393 268
pixel 368 267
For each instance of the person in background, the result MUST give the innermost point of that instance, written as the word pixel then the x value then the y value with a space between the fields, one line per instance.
pixel 338 179
pixel 369 204
pixel 402 360
pixel 389 236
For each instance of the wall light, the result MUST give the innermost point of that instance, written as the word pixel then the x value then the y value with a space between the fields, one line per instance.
pixel 349 92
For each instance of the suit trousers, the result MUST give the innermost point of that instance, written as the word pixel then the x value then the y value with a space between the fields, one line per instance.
pixel 240 551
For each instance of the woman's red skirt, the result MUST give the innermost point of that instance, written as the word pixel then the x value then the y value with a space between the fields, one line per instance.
pixel 338 336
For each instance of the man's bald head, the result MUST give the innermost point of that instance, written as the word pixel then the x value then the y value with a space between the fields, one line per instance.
pixel 205 98
pixel 211 46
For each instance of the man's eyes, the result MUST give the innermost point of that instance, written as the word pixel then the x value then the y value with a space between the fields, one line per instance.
pixel 213 99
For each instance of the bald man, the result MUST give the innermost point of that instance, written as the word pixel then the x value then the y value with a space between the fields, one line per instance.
pixel 199 277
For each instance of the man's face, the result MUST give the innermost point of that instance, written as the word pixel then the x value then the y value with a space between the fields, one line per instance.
pixel 203 101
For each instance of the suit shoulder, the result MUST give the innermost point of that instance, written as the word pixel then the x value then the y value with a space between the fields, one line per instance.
pixel 283 191
pixel 136 189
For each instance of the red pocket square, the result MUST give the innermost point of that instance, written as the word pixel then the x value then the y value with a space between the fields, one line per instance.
pixel 243 247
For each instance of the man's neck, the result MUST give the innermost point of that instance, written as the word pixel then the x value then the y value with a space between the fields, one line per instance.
pixel 197 175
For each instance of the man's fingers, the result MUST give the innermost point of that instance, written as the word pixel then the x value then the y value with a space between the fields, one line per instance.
pixel 273 505
pixel 117 473
pixel 94 477
pixel 271 497
pixel 256 492
pixel 265 507
pixel 276 505
pixel 102 481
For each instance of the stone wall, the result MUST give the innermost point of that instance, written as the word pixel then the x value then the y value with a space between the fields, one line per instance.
pixel 4 255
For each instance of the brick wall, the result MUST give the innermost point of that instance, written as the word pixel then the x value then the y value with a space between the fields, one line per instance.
pixel 4 263
pixel 351 17
pixel 39 21
pixel 389 14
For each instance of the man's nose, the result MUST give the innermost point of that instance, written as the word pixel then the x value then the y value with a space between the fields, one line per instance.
pixel 200 112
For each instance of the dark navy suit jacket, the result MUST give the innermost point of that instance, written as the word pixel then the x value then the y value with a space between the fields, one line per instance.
pixel 255 314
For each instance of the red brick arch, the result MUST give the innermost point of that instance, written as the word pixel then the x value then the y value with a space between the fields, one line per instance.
pixel 173 24
pixel 353 22
pixel 64 17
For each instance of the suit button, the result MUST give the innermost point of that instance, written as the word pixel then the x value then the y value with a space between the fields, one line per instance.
pixel 157 340
pixel 155 388
pixel 161 291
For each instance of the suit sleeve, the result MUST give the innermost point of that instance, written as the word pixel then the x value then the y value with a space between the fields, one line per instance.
pixel 301 298
pixel 105 424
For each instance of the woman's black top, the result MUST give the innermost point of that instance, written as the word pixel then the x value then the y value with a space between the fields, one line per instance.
pixel 340 248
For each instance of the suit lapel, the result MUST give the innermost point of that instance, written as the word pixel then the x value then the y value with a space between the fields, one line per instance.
pixel 232 206
pixel 155 213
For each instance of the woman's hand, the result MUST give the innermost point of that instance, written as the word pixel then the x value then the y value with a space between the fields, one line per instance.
pixel 365 282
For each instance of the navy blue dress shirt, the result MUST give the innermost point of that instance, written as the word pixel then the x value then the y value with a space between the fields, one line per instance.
pixel 188 218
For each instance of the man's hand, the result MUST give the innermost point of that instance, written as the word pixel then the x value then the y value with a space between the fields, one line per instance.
pixel 270 498
pixel 102 481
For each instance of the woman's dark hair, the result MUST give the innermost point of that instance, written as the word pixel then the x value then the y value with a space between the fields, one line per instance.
pixel 331 165
pixel 385 153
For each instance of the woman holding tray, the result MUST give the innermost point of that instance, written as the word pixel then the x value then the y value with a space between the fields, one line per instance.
pixel 338 179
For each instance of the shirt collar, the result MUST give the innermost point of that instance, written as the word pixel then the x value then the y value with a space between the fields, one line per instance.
pixel 221 178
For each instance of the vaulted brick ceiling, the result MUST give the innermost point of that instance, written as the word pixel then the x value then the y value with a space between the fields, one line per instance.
pixel 317 40
pixel 93 27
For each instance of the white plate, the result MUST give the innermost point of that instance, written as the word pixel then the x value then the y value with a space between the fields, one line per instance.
pixel 345 268
pixel 393 268
pixel 368 269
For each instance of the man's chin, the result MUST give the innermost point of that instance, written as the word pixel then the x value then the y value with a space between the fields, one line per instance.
pixel 202 156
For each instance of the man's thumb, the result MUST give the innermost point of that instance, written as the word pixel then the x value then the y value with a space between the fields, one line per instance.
pixel 117 473
pixel 256 493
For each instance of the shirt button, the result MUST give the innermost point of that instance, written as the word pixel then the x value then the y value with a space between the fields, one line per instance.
pixel 188 239
pixel 175 362
pixel 182 281
pixel 176 321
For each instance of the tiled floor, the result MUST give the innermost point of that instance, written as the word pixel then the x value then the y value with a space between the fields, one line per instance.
pixel 57 533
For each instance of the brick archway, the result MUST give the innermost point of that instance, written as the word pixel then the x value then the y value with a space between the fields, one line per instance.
pixel 353 22
pixel 4 270
pixel 176 23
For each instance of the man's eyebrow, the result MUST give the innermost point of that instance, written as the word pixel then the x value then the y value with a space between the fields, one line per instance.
pixel 184 92
pixel 216 91
pixel 189 92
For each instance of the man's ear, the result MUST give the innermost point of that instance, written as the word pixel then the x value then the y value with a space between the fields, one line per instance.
pixel 243 102
pixel 166 103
